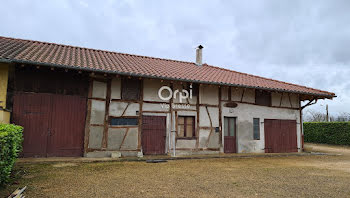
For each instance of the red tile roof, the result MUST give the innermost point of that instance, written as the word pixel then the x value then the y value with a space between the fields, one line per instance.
pixel 35 52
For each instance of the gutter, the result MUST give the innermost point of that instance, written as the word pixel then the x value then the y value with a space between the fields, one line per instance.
pixel 156 77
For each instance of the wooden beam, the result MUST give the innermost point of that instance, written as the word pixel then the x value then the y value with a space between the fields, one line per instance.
pixel 229 94
pixel 156 111
pixel 301 124
pixel 220 115
pixel 242 95
pixel 126 134
pixel 125 109
pixel 281 100
pixel 106 118
pixel 197 118
pixel 139 145
pixel 309 103
pixel 123 127
pixel 171 119
pixel 211 126
pixel 87 120
pixel 290 101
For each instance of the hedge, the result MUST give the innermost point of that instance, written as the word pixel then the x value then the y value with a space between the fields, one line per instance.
pixel 337 133
pixel 10 146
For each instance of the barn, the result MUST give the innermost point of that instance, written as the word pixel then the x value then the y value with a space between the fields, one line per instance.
pixel 75 101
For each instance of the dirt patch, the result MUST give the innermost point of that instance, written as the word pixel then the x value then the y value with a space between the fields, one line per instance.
pixel 60 165
pixel 297 176
pixel 344 150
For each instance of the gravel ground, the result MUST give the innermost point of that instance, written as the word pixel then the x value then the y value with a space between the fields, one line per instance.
pixel 297 176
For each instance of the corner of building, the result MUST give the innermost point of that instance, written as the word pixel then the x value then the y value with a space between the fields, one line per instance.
pixel 4 73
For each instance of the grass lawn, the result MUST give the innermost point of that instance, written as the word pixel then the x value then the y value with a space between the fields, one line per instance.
pixel 301 176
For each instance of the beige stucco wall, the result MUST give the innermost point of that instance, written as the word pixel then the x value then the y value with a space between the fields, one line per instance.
pixel 4 69
pixel 4 72
pixel 245 113
pixel 4 116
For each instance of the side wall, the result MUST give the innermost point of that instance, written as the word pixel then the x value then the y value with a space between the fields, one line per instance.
pixel 4 73
pixel 283 106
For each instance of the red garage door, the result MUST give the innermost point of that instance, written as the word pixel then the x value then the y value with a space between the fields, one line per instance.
pixel 153 134
pixel 53 124
pixel 280 136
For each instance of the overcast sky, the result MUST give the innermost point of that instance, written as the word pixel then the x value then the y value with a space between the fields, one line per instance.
pixel 302 42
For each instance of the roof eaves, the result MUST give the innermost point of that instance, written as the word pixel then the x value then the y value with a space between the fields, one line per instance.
pixel 158 77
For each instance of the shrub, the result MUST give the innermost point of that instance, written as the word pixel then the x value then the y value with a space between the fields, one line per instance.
pixel 327 132
pixel 10 146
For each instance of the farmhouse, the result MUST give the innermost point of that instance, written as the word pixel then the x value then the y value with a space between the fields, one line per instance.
pixel 75 101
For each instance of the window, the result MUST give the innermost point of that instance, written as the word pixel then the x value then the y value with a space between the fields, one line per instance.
pixel 262 98
pixel 186 127
pixel 131 89
pixel 256 129
pixel 123 121
pixel 230 126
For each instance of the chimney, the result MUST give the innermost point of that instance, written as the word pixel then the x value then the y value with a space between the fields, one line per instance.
pixel 199 55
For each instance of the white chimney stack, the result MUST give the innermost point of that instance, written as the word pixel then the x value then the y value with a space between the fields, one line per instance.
pixel 199 55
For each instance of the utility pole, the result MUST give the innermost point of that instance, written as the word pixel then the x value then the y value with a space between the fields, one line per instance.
pixel 327 117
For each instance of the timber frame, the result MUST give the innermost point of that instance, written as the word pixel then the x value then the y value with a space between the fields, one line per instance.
pixel 196 107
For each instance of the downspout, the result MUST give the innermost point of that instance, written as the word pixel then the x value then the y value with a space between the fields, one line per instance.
pixel 172 135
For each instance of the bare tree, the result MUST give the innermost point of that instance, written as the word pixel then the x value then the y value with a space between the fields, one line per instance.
pixel 343 117
pixel 314 116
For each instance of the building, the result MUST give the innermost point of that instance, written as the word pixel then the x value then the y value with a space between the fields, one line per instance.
pixel 76 101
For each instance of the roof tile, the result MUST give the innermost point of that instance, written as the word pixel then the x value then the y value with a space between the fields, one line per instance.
pixel 19 50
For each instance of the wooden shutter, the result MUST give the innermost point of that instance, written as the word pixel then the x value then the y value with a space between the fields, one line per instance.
pixel 131 89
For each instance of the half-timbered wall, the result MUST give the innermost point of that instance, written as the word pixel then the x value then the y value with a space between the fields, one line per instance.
pixel 207 106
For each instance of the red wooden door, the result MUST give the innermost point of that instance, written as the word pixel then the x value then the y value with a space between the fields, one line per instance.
pixel 53 124
pixel 230 135
pixel 32 111
pixel 280 136
pixel 153 134
pixel 67 126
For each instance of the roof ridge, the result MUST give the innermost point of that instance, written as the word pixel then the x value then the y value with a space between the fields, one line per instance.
pixel 266 78
pixel 94 49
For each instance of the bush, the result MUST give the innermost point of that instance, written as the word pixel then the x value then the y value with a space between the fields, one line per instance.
pixel 327 132
pixel 10 146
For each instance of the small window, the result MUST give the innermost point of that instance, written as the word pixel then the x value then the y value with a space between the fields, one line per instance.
pixel 230 126
pixel 131 89
pixel 124 121
pixel 186 127
pixel 256 129
pixel 262 98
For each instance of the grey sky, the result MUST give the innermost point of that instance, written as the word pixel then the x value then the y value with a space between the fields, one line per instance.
pixel 303 42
